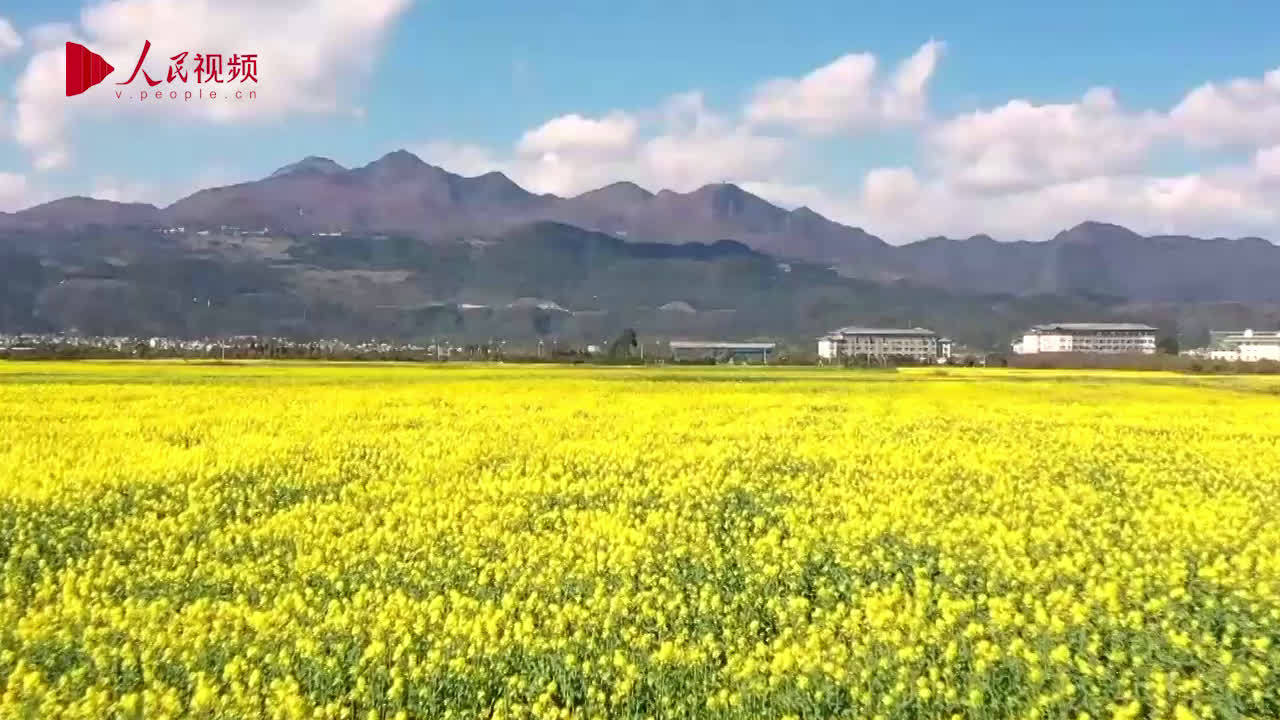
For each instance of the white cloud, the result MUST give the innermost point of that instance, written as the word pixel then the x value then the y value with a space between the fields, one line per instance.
pixel 687 113
pixel 688 161
pixel 1267 162
pixel 890 189
pixel 10 40
pixel 1199 198
pixel 901 207
pixel 1244 111
pixel 698 146
pixel 845 94
pixel 122 190
pixel 161 194
pixel 905 100
pixel 680 145
pixel 1021 146
pixel 613 133
pixel 19 192
pixel 462 158
pixel 1021 170
pixel 14 193
pixel 1027 170
pixel 788 195
pixel 52 36
pixel 310 68
pixel 825 100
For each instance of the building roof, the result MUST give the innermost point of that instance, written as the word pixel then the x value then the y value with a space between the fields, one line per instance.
pixel 1222 338
pixel 1094 327
pixel 719 345
pixel 900 332
pixel 677 306
pixel 1243 333
pixel 539 303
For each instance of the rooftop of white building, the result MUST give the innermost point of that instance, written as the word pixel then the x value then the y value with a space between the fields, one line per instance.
pixel 901 332
pixel 1092 327
pixel 1219 337
pixel 721 345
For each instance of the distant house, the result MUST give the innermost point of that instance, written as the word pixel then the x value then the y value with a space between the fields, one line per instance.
pixel 722 350
pixel 1244 345
pixel 1110 338
pixel 853 342
pixel 677 306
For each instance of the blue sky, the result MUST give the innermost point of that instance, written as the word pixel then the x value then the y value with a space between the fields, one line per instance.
pixel 466 81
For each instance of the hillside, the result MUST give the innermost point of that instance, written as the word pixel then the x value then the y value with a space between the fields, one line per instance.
pixel 541 280
pixel 404 248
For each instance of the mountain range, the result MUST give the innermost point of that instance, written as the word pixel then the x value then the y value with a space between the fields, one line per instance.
pixel 420 236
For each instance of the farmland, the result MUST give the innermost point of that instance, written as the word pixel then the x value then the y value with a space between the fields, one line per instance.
pixel 396 541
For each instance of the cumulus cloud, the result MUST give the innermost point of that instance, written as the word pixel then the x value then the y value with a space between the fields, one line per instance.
pixel 1019 170
pixel 310 68
pixel 14 193
pixel 900 206
pixel 1026 169
pixel 1267 162
pixel 905 100
pixel 1021 145
pixel 10 40
pixel 829 98
pixel 53 35
pixel 847 94
pixel 18 192
pixel 41 124
pixel 1244 111
pixel 680 145
pixel 890 189
pixel 1022 169
pixel 698 146
pixel 615 132
pixel 160 194
pixel 789 195
pixel 122 190
pixel 462 158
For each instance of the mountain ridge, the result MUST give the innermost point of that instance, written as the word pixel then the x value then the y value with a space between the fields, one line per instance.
pixel 140 282
pixel 720 199
pixel 401 194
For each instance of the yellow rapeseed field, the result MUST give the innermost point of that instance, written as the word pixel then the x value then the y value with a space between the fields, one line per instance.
pixel 276 541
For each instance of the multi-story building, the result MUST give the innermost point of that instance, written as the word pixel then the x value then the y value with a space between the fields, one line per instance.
pixel 854 342
pixel 1130 338
pixel 1244 345
pixel 720 350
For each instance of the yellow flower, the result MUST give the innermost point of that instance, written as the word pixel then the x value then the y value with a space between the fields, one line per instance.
pixel 287 541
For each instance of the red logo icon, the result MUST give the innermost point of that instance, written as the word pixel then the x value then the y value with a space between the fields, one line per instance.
pixel 85 68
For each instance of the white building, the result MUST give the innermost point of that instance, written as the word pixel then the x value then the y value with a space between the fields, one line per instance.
pixel 853 342
pixel 722 351
pixel 1129 338
pixel 1244 345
